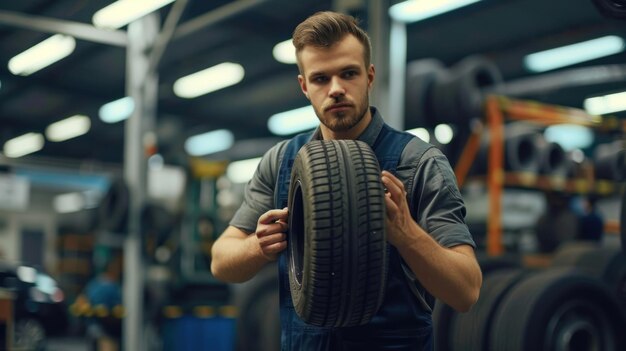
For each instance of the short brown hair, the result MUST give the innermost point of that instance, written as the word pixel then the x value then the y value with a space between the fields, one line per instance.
pixel 326 28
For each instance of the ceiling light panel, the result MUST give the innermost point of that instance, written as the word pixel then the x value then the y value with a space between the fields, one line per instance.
pixel 285 52
pixel 209 143
pixel 118 110
pixel 209 80
pixel 68 128
pixel 42 55
pixel 601 105
pixel 293 121
pixel 416 10
pixel 23 145
pixel 123 12
pixel 575 53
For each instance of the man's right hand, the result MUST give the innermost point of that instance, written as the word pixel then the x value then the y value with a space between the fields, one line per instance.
pixel 271 233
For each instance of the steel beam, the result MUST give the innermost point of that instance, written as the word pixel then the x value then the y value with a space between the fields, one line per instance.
pixel 212 17
pixel 75 29
pixel 166 33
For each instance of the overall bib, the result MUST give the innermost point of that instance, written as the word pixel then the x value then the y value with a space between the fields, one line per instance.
pixel 401 323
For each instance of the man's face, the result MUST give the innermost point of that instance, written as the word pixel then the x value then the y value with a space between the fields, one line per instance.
pixel 337 83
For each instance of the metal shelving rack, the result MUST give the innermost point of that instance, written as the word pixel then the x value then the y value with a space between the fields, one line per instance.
pixel 498 110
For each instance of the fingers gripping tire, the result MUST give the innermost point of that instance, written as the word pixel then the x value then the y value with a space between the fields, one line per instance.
pixel 337 255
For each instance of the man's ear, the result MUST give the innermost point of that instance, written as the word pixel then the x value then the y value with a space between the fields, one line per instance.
pixel 371 73
pixel 303 86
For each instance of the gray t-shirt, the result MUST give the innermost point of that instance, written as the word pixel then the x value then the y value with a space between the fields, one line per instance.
pixel 436 202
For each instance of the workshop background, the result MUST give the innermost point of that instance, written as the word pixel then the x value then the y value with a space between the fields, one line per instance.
pixel 118 169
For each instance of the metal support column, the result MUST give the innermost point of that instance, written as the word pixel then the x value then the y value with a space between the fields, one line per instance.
pixel 142 86
pixel 397 74
pixel 378 30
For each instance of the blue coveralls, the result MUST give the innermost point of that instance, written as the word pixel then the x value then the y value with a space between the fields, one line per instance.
pixel 401 323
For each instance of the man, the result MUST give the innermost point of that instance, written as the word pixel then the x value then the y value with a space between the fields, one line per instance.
pixel 425 227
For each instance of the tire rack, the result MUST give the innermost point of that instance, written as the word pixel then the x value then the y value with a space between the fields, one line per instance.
pixel 498 110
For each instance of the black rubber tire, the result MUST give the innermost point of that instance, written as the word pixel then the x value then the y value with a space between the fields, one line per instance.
pixel 444 316
pixel 521 153
pixel 558 309
pixel 337 254
pixel 420 78
pixel 470 331
pixel 459 95
pixel 605 263
pixel 258 324
pixel 113 209
pixel 611 8
pixel 555 228
pixel 568 254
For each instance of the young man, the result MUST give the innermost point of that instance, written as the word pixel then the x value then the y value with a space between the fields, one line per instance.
pixel 425 227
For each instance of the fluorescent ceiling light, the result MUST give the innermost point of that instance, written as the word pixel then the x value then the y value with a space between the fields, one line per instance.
pixel 242 171
pixel 421 133
pixel 122 12
pixel 27 274
pixel 575 53
pixel 285 52
pixel 23 145
pixel 41 55
pixel 294 121
pixel 68 128
pixel 444 134
pixel 209 143
pixel 67 203
pixel 601 105
pixel 209 80
pixel 417 10
pixel 117 110
pixel 569 136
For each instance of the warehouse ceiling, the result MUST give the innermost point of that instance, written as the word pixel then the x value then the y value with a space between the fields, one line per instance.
pixel 501 30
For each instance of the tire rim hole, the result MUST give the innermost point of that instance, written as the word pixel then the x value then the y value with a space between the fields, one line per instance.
pixel 296 236
pixel 581 338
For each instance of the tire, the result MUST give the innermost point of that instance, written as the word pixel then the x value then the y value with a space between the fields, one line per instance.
pixel 113 209
pixel 558 309
pixel 337 254
pixel 470 331
pixel 445 317
pixel 606 263
pixel 421 76
pixel 258 324
pixel 459 95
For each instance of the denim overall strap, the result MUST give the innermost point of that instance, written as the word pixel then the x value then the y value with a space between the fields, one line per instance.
pixel 388 147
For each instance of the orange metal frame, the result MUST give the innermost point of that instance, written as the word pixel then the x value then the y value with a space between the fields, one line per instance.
pixel 498 109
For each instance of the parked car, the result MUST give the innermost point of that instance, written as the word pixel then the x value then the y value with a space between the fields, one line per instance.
pixel 39 307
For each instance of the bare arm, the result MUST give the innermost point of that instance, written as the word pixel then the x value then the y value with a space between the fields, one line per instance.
pixel 450 274
pixel 237 256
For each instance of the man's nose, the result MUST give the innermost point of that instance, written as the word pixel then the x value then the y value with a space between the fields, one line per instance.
pixel 336 88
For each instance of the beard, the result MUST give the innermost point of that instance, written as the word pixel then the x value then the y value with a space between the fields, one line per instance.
pixel 342 121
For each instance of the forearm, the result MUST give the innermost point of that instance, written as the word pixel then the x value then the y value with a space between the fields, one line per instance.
pixel 450 274
pixel 236 257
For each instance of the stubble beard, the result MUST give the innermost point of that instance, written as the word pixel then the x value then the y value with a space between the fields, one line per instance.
pixel 342 121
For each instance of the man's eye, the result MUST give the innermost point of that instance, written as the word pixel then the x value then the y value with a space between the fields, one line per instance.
pixel 349 74
pixel 319 79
